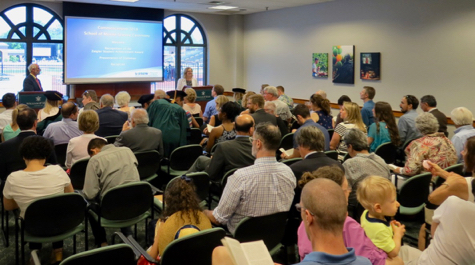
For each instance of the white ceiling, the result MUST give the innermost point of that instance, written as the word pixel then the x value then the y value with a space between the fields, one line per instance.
pixel 201 6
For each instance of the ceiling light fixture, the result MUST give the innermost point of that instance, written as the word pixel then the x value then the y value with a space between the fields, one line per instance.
pixel 222 7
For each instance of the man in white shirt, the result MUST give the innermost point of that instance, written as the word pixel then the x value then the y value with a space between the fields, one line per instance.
pixel 271 94
pixel 9 102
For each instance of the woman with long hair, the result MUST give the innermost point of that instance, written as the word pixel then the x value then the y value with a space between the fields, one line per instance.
pixel 384 129
pixel 12 130
pixel 350 113
pixel 321 106
pixel 226 114
pixel 182 208
pixel 220 101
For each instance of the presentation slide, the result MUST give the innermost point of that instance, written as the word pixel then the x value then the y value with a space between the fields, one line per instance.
pixel 111 50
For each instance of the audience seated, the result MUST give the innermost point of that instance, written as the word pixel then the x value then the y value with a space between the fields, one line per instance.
pixel 341 100
pixel 37 180
pixel 110 120
pixel 108 167
pixel 245 99
pixel 146 100
pixel 351 115
pixel 139 136
pixel 51 108
pixel 214 121
pixel 89 101
pixel 269 108
pixel 255 105
pixel 190 104
pixel 284 98
pixel 302 114
pixel 12 130
pixel 463 120
pixel 282 109
pixel 9 103
pixel 406 123
pixel 170 119
pixel 429 104
pixel 321 107
pixel 10 157
pixel 88 123
pixel 367 95
pixel 226 114
pixel 353 233
pixel 231 154
pixel 378 197
pixel 384 129
pixel 182 215
pixel 264 188
pixel 210 109
pixel 62 131
pixel 122 99
pixel 433 146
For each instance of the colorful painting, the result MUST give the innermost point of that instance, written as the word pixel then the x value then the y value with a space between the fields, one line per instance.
pixel 320 65
pixel 370 66
pixel 343 64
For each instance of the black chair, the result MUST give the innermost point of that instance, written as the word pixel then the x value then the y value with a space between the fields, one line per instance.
pixel 181 159
pixel 287 142
pixel 193 249
pixel 50 219
pixel 124 206
pixel 195 136
pixel 333 154
pixel 458 169
pixel 387 151
pixel 330 133
pixel 111 139
pixel 216 188
pixel 291 161
pixel 78 173
pixel 199 120
pixel 60 151
pixel 269 228
pixel 148 164
pixel 414 193
pixel 120 254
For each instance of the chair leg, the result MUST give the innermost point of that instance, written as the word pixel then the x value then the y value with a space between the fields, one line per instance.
pixel 17 256
pixel 86 245
pixel 22 245
pixel 7 228
pixel 74 244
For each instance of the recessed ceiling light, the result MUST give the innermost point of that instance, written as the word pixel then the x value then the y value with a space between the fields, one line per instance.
pixel 130 1
pixel 222 7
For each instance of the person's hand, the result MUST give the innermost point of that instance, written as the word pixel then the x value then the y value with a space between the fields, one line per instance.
pixel 398 228
pixel 283 156
pixel 205 131
pixel 126 126
pixel 436 170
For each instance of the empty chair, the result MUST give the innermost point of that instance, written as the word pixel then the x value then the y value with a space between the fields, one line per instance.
pixel 60 151
pixel 414 193
pixel 287 142
pixel 195 136
pixel 181 159
pixel 387 151
pixel 78 173
pixel 148 164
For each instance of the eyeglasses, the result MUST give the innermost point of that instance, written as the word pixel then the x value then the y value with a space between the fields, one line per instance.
pixel 251 139
pixel 300 208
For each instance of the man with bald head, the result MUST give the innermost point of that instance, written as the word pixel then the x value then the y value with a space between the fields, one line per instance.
pixel 322 93
pixel 31 82
pixel 230 154
pixel 62 131
pixel 138 136
pixel 323 209
pixel 110 119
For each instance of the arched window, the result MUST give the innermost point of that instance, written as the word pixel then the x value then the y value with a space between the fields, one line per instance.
pixel 185 45
pixel 30 33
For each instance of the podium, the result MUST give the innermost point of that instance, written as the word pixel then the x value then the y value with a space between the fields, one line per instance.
pixel 203 95
pixel 33 99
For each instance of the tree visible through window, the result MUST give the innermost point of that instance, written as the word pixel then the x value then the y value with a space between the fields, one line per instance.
pixel 30 33
pixel 184 46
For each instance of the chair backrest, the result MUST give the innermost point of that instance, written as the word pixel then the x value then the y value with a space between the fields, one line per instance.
pixel 346 157
pixel 78 173
pixel 287 141
pixel 201 182
pixel 415 191
pixel 269 228
pixel 195 136
pixel 55 214
pixel 183 157
pixel 127 201
pixel 330 133
pixel 224 180
pixel 60 151
pixel 289 162
pixel 148 163
pixel 387 151
pixel 193 249
pixel 458 169
pixel 199 120
pixel 333 154
pixel 119 254
pixel 111 138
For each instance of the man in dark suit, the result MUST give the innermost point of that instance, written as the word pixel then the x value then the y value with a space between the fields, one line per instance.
pixel 231 154
pixel 311 143
pixel 31 82
pixel 110 120
pixel 429 104
pixel 140 137
pixel 10 158
pixel 255 104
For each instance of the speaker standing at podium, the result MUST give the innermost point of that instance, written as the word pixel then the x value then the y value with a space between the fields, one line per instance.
pixel 31 82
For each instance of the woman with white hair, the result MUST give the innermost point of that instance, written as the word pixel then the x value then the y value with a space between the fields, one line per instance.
pixel 432 146
pixel 188 80
pixel 463 120
pixel 190 104
pixel 123 99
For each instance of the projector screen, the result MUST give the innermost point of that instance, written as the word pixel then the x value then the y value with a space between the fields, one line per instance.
pixel 100 50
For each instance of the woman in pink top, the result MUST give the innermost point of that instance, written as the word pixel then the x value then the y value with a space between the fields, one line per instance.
pixel 353 234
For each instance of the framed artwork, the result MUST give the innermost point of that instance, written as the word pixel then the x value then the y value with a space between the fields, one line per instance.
pixel 370 66
pixel 320 65
pixel 343 64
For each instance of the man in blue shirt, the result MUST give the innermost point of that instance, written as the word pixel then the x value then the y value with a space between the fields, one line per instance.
pixel 210 108
pixel 407 122
pixel 367 95
pixel 62 131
